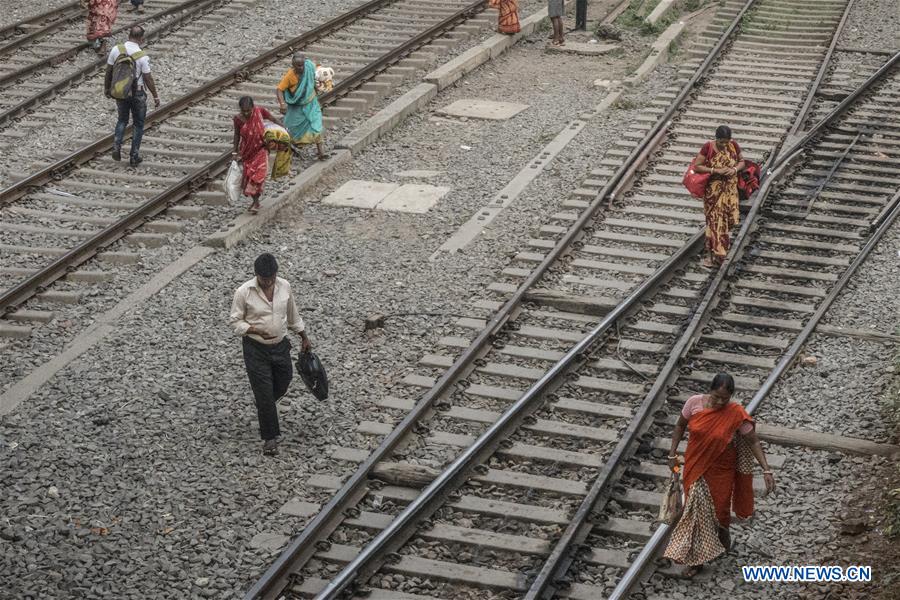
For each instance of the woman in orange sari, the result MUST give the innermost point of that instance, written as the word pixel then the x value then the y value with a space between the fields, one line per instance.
pixel 722 159
pixel 718 474
pixel 508 21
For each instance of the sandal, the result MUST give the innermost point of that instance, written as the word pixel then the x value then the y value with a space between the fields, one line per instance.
pixel 254 208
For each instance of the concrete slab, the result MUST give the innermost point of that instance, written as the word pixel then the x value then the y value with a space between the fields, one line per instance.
pixel 475 108
pixel 583 48
pixel 418 173
pixel 661 10
pixel 413 198
pixel 268 541
pixel 360 194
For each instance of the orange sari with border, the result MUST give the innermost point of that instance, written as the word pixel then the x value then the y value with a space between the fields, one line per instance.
pixel 712 455
pixel 508 21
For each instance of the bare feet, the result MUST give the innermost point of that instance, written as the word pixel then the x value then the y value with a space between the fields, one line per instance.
pixel 707 263
pixel 691 571
pixel 254 208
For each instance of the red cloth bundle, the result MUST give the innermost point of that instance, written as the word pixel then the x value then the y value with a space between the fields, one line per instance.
pixel 695 182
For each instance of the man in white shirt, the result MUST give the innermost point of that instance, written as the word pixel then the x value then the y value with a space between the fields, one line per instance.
pixel 262 312
pixel 136 106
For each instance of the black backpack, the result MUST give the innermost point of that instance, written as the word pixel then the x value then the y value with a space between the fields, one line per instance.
pixel 123 74
pixel 313 374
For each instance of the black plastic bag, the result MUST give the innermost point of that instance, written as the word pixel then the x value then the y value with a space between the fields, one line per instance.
pixel 313 374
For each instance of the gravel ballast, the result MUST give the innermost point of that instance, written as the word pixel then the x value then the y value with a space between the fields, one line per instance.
pixel 145 477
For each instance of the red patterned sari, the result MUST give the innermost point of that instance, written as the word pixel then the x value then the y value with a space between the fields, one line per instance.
pixel 718 478
pixel 254 156
pixel 508 21
pixel 720 204
pixel 101 16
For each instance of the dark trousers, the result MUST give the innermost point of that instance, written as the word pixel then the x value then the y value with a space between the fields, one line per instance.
pixel 270 372
pixel 136 108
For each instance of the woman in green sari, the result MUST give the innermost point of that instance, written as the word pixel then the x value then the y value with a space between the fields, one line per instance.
pixel 296 94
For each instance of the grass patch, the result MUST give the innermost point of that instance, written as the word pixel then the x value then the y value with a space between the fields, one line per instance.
pixel 626 104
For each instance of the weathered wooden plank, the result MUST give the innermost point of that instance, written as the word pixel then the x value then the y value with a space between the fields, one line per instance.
pixel 823 441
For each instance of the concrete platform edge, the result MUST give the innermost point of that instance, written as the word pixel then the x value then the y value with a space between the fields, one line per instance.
pixel 99 329
pixel 450 72
pixel 246 223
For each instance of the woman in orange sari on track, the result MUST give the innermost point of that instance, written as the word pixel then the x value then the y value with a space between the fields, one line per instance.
pixel 508 21
pixel 718 474
pixel 722 160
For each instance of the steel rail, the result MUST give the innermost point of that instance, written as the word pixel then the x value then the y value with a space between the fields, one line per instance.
pixel 647 554
pixel 235 75
pixel 9 29
pixel 16 295
pixel 879 227
pixel 431 497
pixel 66 16
pixel 72 51
pixel 355 487
pixel 552 573
pixel 556 565
pixel 820 75
pixel 60 85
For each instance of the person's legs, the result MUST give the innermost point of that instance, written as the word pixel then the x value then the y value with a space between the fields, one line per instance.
pixel 138 112
pixel 282 370
pixel 258 361
pixel 321 149
pixel 124 111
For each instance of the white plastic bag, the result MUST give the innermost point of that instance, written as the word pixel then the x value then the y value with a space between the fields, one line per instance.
pixel 233 182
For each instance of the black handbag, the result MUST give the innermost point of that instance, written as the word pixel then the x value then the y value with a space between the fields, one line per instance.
pixel 313 374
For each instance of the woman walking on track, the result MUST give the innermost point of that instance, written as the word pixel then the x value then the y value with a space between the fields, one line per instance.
pixel 296 95
pixel 717 473
pixel 250 148
pixel 508 21
pixel 101 16
pixel 722 160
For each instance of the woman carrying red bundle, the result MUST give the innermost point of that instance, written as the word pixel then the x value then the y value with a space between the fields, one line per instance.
pixel 722 160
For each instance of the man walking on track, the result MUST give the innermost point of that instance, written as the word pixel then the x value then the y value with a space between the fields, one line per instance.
pixel 262 312
pixel 130 102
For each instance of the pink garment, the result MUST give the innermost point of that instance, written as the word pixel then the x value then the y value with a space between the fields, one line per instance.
pixel 694 405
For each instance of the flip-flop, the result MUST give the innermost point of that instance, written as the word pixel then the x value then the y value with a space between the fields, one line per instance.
pixel 254 209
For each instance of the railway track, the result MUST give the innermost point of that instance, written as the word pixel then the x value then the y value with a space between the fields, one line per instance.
pixel 535 439
pixel 50 60
pixel 76 209
pixel 31 28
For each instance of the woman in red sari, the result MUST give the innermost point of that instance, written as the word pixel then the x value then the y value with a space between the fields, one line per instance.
pixel 250 148
pixel 508 20
pixel 718 474
pixel 722 159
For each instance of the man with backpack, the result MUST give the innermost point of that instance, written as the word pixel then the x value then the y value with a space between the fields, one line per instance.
pixel 127 78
